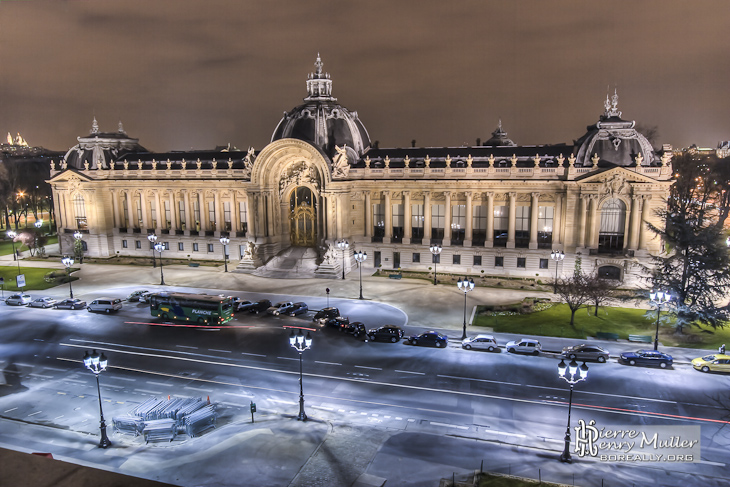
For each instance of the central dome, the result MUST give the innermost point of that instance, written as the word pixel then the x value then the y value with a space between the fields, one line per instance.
pixel 321 121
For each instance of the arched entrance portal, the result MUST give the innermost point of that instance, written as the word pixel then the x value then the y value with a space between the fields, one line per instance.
pixel 303 211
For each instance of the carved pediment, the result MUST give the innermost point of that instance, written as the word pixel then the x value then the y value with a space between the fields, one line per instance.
pixel 614 174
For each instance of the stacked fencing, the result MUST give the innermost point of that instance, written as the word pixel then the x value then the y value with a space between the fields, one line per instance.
pixel 160 419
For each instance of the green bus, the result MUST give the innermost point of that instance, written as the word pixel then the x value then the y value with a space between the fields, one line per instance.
pixel 202 309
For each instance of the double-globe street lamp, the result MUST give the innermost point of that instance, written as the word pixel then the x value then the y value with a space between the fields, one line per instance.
pixel 557 256
pixel 68 262
pixel 152 238
pixel 658 298
pixel 97 364
pixel 572 374
pixel 11 235
pixel 465 285
pixel 300 343
pixel 343 245
pixel 160 247
pixel 224 242
pixel 435 250
pixel 360 257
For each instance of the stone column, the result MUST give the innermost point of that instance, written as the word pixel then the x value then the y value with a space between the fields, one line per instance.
pixel 219 224
pixel 388 210
pixel 644 218
pixel 270 219
pixel 533 219
pixel 407 216
pixel 60 222
pixel 447 217
pixel 634 222
pixel 511 220
pixel 188 212
pixel 469 217
pixel 490 220
pixel 235 214
pixel 160 209
pixel 558 220
pixel 131 212
pixel 583 211
pixel 251 230
pixel 143 209
pixel 427 217
pixel 115 209
pixel 174 215
pixel 368 215
pixel 203 211
pixel 595 222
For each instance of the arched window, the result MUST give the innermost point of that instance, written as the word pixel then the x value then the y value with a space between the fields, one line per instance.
pixel 613 222
pixel 80 212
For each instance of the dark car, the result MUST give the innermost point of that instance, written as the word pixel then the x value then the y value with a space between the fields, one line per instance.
pixel 281 308
pixel 70 304
pixel 646 357
pixel 390 333
pixel 136 294
pixel 430 338
pixel 260 306
pixel 298 309
pixel 339 322
pixel 356 329
pixel 244 305
pixel 325 314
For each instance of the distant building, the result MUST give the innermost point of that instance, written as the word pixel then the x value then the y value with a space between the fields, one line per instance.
pixel 497 208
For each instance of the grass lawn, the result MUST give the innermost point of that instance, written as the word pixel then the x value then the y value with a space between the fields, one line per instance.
pixel 35 278
pixel 555 321
pixel 6 246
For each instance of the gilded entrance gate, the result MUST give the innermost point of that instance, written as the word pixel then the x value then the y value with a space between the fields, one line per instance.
pixel 303 216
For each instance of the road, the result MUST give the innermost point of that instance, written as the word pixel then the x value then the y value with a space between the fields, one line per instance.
pixel 399 412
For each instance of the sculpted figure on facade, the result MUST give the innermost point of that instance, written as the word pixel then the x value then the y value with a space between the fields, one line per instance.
pixel 249 251
pixel 298 174
pixel 614 185
pixel 248 162
pixel 330 256
pixel 340 164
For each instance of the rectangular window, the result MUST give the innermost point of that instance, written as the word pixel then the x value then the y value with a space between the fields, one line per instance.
pixel 137 244
pixel 153 213
pixel 227 215
pixel 168 215
pixel 211 215
pixel 456 259
pixel 522 226
pixel 458 224
pixel 210 247
pixel 167 245
pixel 139 210
pixel 125 222
pixel 196 214
pixel 545 226
pixel 195 247
pixel 521 262
pixel 498 261
pixel 243 215
pixel 417 224
pixel 543 263
pixel 477 260
pixel 124 244
pixel 479 226
pixel 181 213
pixel 435 258
pixel 80 212
pixel 416 257
pixel 438 220
pixel 378 222
pixel 180 246
pixel 501 225
pixel 397 223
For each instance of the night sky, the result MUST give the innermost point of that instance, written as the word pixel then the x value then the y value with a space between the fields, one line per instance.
pixel 184 74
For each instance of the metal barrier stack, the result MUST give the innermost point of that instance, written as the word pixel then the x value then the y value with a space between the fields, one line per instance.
pixel 159 419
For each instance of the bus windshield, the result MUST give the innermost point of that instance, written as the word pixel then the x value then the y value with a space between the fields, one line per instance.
pixel 203 309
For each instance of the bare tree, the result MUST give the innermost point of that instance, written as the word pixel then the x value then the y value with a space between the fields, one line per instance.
pixel 575 292
pixel 600 290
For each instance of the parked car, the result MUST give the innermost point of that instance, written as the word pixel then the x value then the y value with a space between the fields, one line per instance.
pixel 646 357
pixel 44 302
pixel 356 329
pixel 70 304
pixel 325 314
pixel 298 309
pixel 106 305
pixel 244 305
pixel 390 333
pixel 145 297
pixel 281 308
pixel 480 342
pixel 586 352
pixel 338 322
pixel 260 306
pixel 429 338
pixel 716 362
pixel 524 345
pixel 18 299
pixel 136 295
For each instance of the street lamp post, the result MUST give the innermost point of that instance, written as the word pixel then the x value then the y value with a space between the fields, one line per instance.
pixel 435 250
pixel 11 235
pixel 300 344
pixel 97 364
pixel 343 245
pixel 557 256
pixel 152 238
pixel 68 262
pixel 658 298
pixel 224 242
pixel 360 257
pixel 465 285
pixel 160 247
pixel 572 374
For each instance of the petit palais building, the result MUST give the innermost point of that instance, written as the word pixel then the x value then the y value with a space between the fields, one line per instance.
pixel 496 208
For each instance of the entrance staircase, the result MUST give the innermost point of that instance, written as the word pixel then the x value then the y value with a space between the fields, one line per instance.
pixel 294 262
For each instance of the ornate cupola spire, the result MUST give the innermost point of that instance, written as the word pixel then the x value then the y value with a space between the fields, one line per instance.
pixel 94 126
pixel 121 128
pixel 611 106
pixel 319 84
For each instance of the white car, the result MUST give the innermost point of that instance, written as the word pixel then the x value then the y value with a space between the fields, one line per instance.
pixel 480 342
pixel 524 345
pixel 18 300
pixel 44 302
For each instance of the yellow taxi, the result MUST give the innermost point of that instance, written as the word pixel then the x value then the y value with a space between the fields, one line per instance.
pixel 716 362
